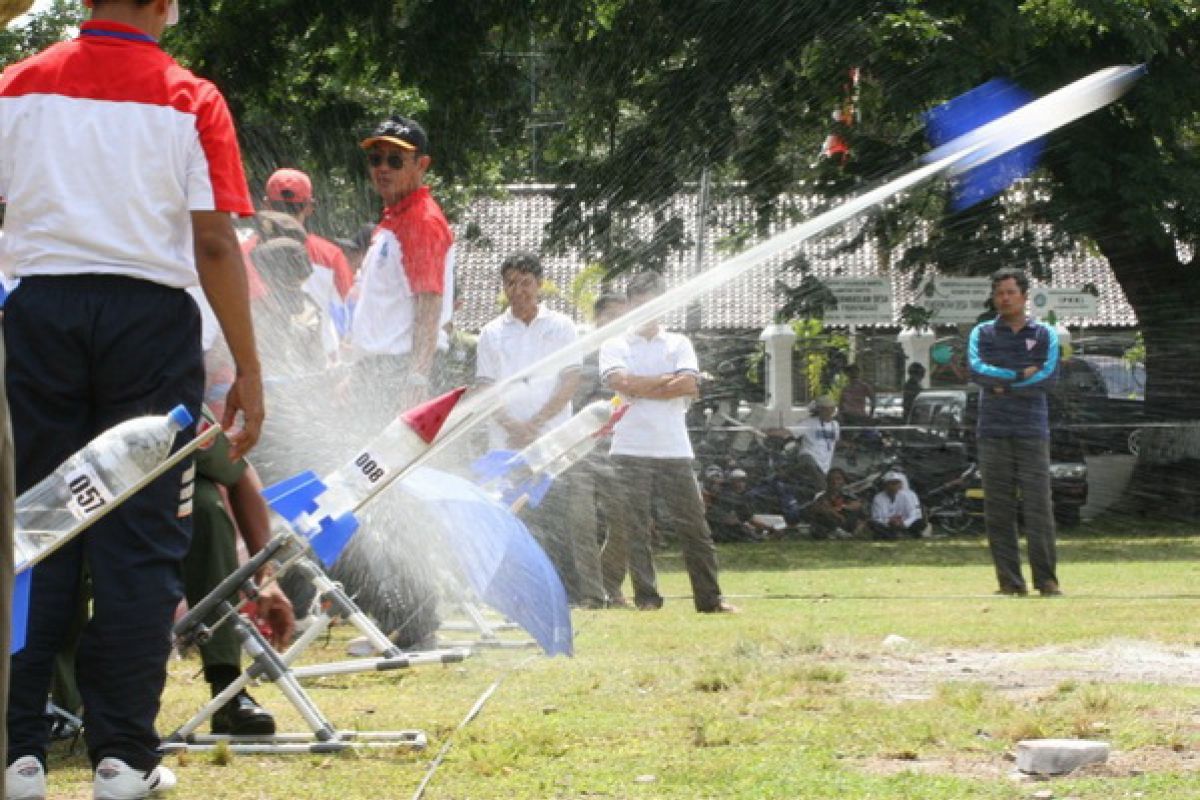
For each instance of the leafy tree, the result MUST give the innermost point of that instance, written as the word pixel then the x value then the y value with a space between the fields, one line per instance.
pixel 41 30
pixel 307 80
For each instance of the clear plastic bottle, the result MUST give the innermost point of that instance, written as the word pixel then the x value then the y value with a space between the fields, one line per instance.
pixel 95 477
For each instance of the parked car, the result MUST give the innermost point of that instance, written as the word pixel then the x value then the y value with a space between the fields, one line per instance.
pixel 941 443
pixel 1101 400
pixel 889 407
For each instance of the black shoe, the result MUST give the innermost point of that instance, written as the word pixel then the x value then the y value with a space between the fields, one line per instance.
pixel 241 716
pixel 1050 589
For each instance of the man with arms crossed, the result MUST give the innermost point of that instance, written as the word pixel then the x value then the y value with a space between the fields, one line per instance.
pixel 657 373
pixel 121 170
pixel 1015 359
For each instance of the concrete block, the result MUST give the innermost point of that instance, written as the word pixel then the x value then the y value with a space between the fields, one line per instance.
pixel 1059 756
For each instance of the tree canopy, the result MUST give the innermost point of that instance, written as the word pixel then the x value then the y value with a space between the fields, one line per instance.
pixel 622 103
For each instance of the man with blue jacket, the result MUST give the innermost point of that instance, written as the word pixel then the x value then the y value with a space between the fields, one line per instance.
pixel 1015 359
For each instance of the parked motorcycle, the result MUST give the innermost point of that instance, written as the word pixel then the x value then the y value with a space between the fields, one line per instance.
pixel 956 507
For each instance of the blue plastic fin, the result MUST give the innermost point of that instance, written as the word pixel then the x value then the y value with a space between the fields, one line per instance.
pixel 493 464
pixel 964 114
pixel 294 496
pixel 333 537
pixel 22 583
pixel 537 492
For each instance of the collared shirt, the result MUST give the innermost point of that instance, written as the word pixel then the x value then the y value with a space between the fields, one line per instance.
pixel 506 346
pixel 651 428
pixel 106 146
pixel 997 356
pixel 904 505
pixel 411 253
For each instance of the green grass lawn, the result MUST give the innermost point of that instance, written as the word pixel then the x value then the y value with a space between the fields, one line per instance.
pixel 797 697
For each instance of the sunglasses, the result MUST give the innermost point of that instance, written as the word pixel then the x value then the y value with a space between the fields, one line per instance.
pixel 394 160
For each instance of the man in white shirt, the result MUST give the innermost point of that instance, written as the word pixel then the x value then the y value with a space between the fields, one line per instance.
pixel 819 434
pixel 525 334
pixel 657 373
pixel 896 511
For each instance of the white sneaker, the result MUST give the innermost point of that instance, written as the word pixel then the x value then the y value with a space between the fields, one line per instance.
pixel 25 779
pixel 116 780
pixel 360 647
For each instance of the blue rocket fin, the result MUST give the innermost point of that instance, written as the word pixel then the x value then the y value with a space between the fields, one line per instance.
pixel 22 583
pixel 964 114
pixel 537 492
pixel 298 495
pixel 493 464
pixel 294 496
pixel 333 537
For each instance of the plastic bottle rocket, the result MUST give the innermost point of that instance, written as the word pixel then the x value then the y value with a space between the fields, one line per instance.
pixel 527 475
pixel 322 510
pixel 85 487
pixel 112 466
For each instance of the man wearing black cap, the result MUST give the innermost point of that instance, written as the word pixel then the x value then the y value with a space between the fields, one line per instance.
pixel 407 275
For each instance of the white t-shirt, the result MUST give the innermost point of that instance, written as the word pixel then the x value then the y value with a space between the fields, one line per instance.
pixel 506 346
pixel 320 288
pixel 651 428
pixel 818 439
pixel 905 505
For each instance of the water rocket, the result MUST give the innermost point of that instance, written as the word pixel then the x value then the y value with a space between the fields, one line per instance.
pixel 997 128
pixel 525 476
pixel 84 489
pixel 323 510
pixel 964 114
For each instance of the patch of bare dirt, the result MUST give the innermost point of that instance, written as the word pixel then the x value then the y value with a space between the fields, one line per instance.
pixel 906 672
pixel 983 766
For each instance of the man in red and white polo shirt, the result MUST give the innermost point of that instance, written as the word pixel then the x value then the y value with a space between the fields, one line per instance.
pixel 407 275
pixel 121 170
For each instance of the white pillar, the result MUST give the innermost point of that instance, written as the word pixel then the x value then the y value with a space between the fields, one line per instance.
pixel 778 341
pixel 916 345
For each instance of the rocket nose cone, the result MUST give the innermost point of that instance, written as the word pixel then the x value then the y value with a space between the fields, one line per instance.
pixel 427 419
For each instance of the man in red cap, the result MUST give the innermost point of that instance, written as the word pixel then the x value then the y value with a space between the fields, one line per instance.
pixel 407 275
pixel 290 191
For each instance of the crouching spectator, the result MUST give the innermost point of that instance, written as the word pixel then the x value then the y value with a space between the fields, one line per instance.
pixel 834 513
pixel 729 509
pixel 896 511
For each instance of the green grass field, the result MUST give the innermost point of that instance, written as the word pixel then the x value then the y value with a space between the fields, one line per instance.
pixel 797 697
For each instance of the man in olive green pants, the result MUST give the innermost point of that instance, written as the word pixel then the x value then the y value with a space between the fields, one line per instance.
pixel 212 558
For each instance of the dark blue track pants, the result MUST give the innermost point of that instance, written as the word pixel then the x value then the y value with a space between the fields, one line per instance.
pixel 85 353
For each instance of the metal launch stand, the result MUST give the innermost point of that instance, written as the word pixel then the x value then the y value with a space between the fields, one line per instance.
pixel 485 630
pixel 269 665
